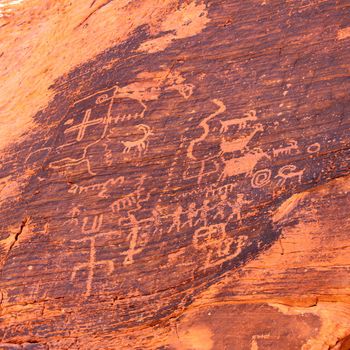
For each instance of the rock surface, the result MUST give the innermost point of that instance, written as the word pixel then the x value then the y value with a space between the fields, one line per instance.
pixel 174 174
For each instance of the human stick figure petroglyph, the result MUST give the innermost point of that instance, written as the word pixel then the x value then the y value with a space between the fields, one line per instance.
pixel 288 172
pixel 237 207
pixel 132 238
pixel 141 144
pixel 241 122
pixel 91 264
pixel 204 125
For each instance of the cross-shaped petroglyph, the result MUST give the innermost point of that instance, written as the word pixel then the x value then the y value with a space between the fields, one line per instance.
pixel 81 128
pixel 92 263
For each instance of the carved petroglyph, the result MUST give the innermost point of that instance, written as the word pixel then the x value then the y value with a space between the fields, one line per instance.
pixel 133 239
pixel 131 200
pixel 221 206
pixel 141 144
pixel 94 224
pixel 134 116
pixel 216 243
pixel 237 207
pixel 241 122
pixel 191 214
pixel 99 111
pixel 214 190
pixel 81 128
pixel 91 264
pixel 37 155
pixel 203 213
pixel 288 172
pixel 243 165
pixel 240 143
pixel 204 125
pixel 176 218
pixel 261 178
pixel 313 148
pixel 101 187
pixel 287 150
pixel 176 82
pixel 206 167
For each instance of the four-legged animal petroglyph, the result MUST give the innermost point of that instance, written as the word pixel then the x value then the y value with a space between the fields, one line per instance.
pixel 241 122
pixel 288 172
pixel 140 144
pixel 243 165
pixel 292 146
pixel 239 143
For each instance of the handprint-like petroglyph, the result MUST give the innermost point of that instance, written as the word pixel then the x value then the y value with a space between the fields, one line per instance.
pixel 91 264
pixel 288 172
pixel 204 125
pixel 240 143
pixel 243 165
pixel 141 144
pixel 241 122
pixel 287 150
pixel 94 224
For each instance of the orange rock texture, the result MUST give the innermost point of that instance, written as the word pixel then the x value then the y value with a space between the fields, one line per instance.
pixel 174 174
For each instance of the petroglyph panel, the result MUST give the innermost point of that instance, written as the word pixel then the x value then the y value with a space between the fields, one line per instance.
pixel 153 174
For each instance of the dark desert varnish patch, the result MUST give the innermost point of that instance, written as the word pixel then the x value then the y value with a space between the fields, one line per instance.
pixel 156 173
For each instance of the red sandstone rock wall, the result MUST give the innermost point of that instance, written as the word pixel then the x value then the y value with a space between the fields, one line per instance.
pixel 174 174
